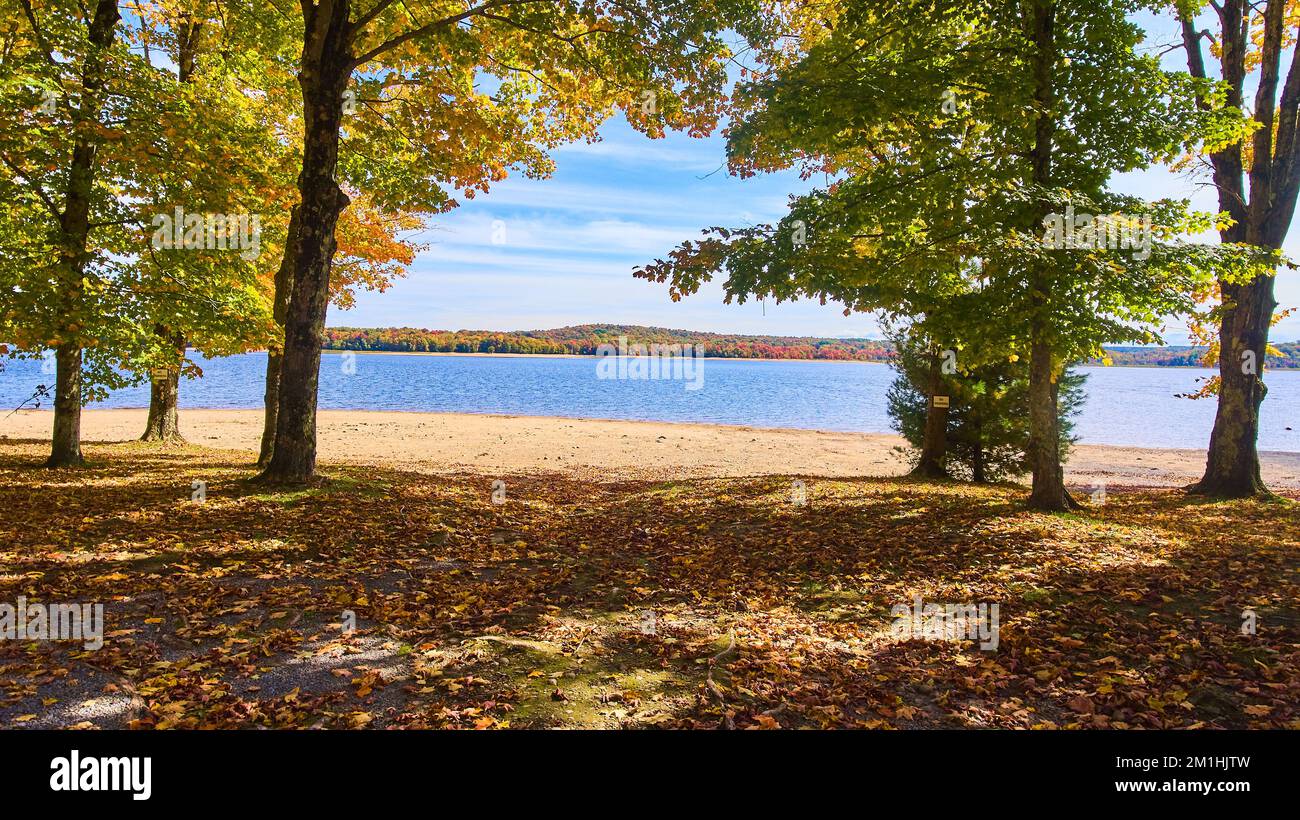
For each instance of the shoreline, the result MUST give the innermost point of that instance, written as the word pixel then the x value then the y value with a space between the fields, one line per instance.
pixel 143 408
pixel 574 356
pixel 1097 365
pixel 614 449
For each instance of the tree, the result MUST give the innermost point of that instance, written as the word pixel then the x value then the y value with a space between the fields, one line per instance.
pixel 226 167
pixel 966 131
pixel 60 151
pixel 232 143
pixel 945 336
pixel 1257 179
pixel 125 139
pixel 425 125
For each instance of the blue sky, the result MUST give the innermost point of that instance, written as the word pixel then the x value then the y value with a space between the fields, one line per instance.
pixel 566 246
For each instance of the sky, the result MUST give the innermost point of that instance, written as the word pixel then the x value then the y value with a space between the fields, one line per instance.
pixel 539 254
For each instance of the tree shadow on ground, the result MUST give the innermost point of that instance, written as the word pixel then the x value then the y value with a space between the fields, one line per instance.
pixel 710 602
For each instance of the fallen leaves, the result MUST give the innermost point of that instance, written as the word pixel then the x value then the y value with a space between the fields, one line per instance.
pixel 532 613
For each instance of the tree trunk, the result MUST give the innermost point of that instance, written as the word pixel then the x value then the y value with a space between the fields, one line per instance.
pixel 1048 491
pixel 164 391
pixel 274 357
pixel 1232 463
pixel 271 403
pixel 65 448
pixel 163 424
pixel 1044 454
pixel 326 68
pixel 978 473
pixel 73 239
pixel 934 443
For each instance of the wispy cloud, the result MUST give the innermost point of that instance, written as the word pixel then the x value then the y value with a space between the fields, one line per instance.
pixel 645 152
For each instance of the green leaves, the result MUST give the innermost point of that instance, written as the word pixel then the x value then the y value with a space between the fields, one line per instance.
pixel 924 115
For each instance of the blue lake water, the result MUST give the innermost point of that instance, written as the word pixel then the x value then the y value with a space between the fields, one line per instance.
pixel 1125 406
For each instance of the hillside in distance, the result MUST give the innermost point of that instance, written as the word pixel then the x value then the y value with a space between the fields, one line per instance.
pixel 583 340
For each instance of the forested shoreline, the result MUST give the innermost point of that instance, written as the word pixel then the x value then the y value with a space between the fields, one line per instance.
pixel 584 340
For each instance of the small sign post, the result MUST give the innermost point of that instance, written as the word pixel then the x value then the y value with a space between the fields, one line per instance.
pixel 940 401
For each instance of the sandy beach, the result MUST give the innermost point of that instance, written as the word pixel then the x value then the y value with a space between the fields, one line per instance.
pixel 601 449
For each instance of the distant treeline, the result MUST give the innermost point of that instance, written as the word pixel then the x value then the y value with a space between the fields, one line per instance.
pixel 585 339
pixel 1183 356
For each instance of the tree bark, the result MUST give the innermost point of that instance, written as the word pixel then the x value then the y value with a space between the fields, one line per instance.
pixel 1044 454
pixel 164 391
pixel 271 405
pixel 274 353
pixel 1232 463
pixel 326 68
pixel 978 471
pixel 934 443
pixel 65 445
pixel 73 240
pixel 164 424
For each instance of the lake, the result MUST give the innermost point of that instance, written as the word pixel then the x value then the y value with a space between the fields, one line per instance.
pixel 1125 406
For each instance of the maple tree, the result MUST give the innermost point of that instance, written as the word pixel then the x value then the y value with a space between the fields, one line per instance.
pixel 372 251
pixel 1256 178
pixel 132 118
pixel 213 299
pixel 428 127
pixel 183 107
pixel 56 290
pixel 233 147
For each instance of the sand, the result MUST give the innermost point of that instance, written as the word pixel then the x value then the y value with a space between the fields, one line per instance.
pixel 601 449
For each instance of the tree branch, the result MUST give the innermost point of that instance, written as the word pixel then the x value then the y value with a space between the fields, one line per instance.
pixel 36 189
pixel 1261 165
pixel 36 32
pixel 429 28
pixel 366 18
